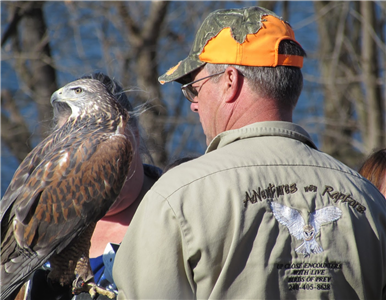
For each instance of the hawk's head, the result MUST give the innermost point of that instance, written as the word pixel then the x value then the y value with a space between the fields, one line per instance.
pixel 82 98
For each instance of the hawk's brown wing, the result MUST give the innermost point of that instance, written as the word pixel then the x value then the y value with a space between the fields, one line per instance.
pixel 47 206
pixel 28 165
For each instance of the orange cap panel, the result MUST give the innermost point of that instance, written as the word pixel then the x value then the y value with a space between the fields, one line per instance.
pixel 258 49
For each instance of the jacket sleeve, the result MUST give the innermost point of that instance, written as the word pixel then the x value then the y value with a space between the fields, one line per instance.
pixel 152 261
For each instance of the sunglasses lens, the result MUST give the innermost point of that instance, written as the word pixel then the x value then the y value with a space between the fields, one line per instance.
pixel 190 93
pixel 186 93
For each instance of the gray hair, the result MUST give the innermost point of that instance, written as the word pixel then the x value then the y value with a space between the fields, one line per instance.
pixel 281 83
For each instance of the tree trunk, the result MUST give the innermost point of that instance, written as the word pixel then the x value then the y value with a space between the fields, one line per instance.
pixel 144 42
pixel 41 76
pixel 335 67
pixel 375 137
pixel 33 64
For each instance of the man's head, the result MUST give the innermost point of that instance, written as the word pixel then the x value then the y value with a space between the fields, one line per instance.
pixel 374 169
pixel 252 42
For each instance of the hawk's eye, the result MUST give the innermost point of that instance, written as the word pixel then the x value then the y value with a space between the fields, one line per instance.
pixel 78 90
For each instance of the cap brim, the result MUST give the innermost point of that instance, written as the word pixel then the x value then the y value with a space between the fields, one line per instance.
pixel 181 70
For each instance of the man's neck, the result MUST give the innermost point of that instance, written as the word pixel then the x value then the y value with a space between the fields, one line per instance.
pixel 249 112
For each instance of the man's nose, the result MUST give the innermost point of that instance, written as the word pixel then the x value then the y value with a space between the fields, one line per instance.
pixel 194 107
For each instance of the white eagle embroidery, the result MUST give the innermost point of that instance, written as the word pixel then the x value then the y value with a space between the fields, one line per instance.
pixel 292 219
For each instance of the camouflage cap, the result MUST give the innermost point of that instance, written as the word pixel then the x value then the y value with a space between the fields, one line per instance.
pixel 249 36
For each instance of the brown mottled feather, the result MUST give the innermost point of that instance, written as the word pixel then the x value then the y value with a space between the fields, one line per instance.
pixel 66 184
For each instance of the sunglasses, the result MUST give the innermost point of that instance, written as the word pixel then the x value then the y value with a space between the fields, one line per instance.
pixel 191 92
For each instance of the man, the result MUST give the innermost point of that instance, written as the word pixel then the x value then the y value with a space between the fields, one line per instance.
pixel 263 214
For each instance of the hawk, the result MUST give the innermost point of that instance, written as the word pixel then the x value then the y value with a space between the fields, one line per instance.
pixel 63 187
pixel 292 219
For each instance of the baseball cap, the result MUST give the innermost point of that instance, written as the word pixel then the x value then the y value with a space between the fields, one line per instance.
pixel 248 36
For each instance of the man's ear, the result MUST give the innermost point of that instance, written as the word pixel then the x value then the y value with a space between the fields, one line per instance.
pixel 233 84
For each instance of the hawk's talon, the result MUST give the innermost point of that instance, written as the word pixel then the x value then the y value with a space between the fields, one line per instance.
pixel 91 288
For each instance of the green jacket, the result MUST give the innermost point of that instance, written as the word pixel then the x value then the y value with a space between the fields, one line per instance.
pixel 262 215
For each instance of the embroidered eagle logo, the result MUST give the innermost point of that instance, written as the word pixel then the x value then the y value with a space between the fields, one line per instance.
pixel 296 225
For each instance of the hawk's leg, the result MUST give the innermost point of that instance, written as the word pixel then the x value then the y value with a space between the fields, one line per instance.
pixel 84 281
pixel 73 261
pixel 92 289
pixel 84 277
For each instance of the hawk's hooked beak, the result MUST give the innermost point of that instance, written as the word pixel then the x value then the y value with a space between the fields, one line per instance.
pixel 55 96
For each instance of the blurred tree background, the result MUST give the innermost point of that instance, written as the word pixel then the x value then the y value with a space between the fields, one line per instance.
pixel 48 44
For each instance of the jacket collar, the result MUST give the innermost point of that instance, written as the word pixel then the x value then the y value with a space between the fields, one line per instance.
pixel 269 128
